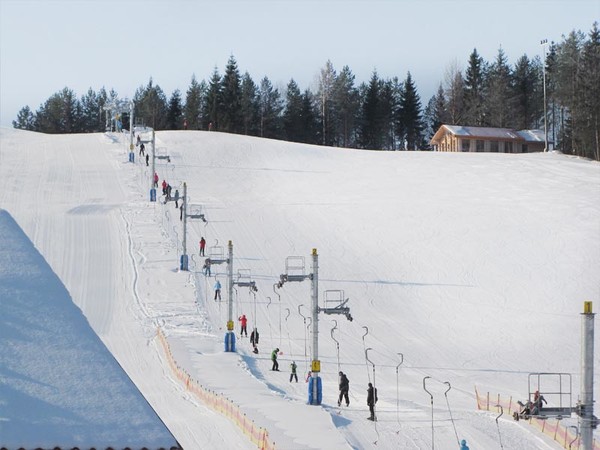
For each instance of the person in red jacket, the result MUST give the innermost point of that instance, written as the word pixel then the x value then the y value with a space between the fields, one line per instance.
pixel 155 180
pixel 243 322
pixel 202 245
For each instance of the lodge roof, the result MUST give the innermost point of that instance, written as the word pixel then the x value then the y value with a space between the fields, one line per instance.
pixel 489 133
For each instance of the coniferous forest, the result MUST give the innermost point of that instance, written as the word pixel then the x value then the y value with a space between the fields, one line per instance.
pixel 381 114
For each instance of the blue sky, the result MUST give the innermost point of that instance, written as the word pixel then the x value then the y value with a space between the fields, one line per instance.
pixel 46 45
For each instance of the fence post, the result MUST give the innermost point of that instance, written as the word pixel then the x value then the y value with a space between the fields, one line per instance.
pixel 487 406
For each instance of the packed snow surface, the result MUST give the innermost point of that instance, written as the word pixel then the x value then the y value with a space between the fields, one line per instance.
pixel 470 269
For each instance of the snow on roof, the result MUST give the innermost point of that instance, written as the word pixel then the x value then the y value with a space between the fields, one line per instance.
pixel 532 135
pixel 61 384
pixel 483 132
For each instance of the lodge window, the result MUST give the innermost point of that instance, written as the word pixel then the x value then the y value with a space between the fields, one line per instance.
pixel 479 145
pixel 508 147
pixel 494 146
pixel 524 148
pixel 466 145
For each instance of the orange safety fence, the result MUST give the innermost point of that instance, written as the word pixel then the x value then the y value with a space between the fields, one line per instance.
pixel 550 427
pixel 217 402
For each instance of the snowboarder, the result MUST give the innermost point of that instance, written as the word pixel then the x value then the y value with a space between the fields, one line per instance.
pixel 218 290
pixel 274 359
pixel 206 267
pixel 463 445
pixel 243 322
pixel 202 245
pixel 293 367
pixel 344 388
pixel 371 400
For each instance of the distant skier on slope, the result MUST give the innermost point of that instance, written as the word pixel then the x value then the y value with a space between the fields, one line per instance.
pixel 293 368
pixel 344 388
pixel 202 245
pixel 274 359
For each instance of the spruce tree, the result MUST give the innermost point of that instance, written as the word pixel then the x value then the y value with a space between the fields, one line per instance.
pixel 410 114
pixel 175 112
pixel 193 104
pixel 249 106
pixel 231 99
pixel 372 128
pixel 292 115
pixel 474 91
pixel 527 95
pixel 270 110
pixel 213 103
pixel 310 122
pixel 499 100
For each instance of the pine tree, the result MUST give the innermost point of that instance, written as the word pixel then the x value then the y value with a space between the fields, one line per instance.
pixel 61 113
pixel 91 112
pixel 346 103
pixel 588 113
pixel 410 114
pixel 527 94
pixel 292 115
pixel 151 105
pixel 249 106
pixel 175 112
pixel 474 91
pixel 372 127
pixel 270 110
pixel 435 115
pixel 193 104
pixel 25 120
pixel 213 103
pixel 231 97
pixel 391 91
pixel 310 122
pixel 498 101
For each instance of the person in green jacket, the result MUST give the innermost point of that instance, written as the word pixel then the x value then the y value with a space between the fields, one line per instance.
pixel 274 359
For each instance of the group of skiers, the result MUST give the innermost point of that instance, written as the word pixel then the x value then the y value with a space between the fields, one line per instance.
pixel 344 385
pixel 142 147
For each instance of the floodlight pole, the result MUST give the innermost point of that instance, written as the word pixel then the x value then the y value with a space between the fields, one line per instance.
pixel 588 421
pixel 544 43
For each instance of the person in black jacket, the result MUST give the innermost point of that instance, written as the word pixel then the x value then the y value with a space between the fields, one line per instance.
pixel 344 388
pixel 371 400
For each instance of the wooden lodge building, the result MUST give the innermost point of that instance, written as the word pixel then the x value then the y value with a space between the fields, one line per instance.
pixel 456 138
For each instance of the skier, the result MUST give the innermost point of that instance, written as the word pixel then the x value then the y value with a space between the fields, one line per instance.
pixel 371 400
pixel 155 180
pixel 164 187
pixel 344 388
pixel 218 290
pixel 176 198
pixel 142 148
pixel 147 159
pixel 138 141
pixel 463 445
pixel 254 340
pixel 293 374
pixel 206 267
pixel 202 245
pixel 168 191
pixel 274 359
pixel 243 322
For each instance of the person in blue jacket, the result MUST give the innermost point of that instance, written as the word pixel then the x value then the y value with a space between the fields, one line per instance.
pixel 463 445
pixel 218 290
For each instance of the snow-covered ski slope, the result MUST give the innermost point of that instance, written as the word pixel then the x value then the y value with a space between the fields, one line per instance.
pixel 474 267
pixel 59 381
